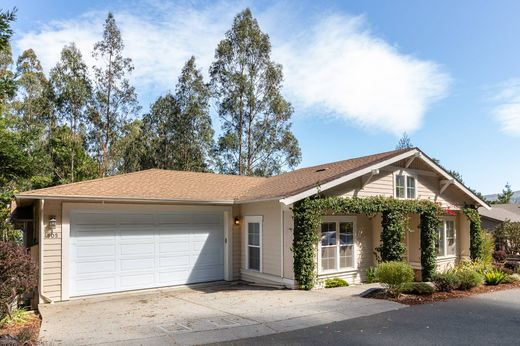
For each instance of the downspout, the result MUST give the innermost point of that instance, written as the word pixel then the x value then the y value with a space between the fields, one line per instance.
pixel 42 238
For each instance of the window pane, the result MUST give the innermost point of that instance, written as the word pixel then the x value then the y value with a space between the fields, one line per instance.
pixel 253 229
pixel 346 233
pixel 399 186
pixel 345 256
pixel 410 187
pixel 254 258
pixel 439 244
pixel 451 247
pixel 328 234
pixel 328 258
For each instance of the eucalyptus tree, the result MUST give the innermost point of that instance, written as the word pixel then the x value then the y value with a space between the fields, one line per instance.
pixel 73 93
pixel 114 98
pixel 7 85
pixel 256 129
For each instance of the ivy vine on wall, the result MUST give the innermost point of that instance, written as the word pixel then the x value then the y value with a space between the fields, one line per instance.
pixel 475 232
pixel 307 215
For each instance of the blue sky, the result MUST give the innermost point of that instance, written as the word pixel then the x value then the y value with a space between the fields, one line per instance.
pixel 358 73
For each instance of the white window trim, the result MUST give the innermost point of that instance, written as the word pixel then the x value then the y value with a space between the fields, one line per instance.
pixel 259 220
pixel 405 173
pixel 339 219
pixel 444 255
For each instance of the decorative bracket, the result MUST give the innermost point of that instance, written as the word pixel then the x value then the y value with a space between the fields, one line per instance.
pixel 411 159
pixel 445 183
pixel 369 178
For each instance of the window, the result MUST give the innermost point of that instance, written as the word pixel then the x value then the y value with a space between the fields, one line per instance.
pixel 254 242
pixel 405 186
pixel 336 245
pixel 446 244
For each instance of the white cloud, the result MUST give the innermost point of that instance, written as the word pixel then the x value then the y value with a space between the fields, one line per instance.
pixel 332 65
pixel 507 109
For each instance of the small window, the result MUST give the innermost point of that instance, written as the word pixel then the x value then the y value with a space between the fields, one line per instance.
pixel 446 244
pixel 405 186
pixel 399 186
pixel 336 246
pixel 254 242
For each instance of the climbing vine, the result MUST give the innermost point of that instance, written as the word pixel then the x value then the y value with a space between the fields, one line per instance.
pixel 430 222
pixel 307 219
pixel 475 233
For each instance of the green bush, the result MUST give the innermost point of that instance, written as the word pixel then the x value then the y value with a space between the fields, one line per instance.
pixel 335 282
pixel 509 279
pixel 395 276
pixel 468 279
pixel 494 277
pixel 446 282
pixel 419 288
pixel 371 274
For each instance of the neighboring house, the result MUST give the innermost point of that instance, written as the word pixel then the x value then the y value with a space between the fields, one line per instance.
pixel 160 228
pixel 498 214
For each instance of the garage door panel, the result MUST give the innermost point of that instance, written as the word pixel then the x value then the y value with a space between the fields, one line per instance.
pixel 119 251
pixel 95 267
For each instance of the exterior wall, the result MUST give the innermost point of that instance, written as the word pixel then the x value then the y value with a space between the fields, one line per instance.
pixel 488 224
pixel 237 245
pixel 288 228
pixel 52 251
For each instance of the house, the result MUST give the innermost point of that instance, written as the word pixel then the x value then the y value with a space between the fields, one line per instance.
pixel 498 214
pixel 159 228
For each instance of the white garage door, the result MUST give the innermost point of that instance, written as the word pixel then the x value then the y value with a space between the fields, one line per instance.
pixel 113 252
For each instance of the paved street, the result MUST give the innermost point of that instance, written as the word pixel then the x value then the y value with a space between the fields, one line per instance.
pixel 488 319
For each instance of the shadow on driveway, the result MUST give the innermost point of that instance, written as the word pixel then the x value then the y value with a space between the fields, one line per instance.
pixel 487 319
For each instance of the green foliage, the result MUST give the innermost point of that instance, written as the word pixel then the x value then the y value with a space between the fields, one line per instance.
pixel 17 316
pixel 475 233
pixel 114 98
pixel 446 282
pixel 488 247
pixel 7 83
pixel 335 282
pixel 405 142
pixel 395 276
pixel 468 279
pixel 494 277
pixel 430 222
pixel 505 196
pixel 307 218
pixel 419 288
pixel 507 236
pixel 371 274
pixel 394 225
pixel 512 278
pixel 256 130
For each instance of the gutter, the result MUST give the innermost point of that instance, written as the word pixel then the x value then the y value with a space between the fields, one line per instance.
pixel 123 199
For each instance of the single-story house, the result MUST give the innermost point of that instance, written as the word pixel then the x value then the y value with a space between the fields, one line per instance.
pixel 157 228
pixel 498 214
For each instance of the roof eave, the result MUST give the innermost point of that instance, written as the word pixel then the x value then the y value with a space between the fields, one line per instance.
pixel 21 196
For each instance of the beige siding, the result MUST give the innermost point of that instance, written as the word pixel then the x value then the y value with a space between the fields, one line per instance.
pixel 288 228
pixel 52 252
pixel 237 245
pixel 271 235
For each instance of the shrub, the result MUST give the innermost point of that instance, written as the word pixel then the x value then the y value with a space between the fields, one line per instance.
pixel 419 288
pixel 512 265
pixel 446 282
pixel 499 255
pixel 18 316
pixel 468 279
pixel 371 274
pixel 509 279
pixel 488 247
pixel 507 236
pixel 394 276
pixel 18 275
pixel 335 282
pixel 494 277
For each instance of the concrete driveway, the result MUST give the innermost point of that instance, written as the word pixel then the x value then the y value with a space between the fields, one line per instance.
pixel 201 315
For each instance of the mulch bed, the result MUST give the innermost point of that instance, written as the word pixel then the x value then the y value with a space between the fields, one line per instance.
pixel 410 299
pixel 27 333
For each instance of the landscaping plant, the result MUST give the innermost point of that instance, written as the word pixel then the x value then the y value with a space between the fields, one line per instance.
pixel 468 279
pixel 494 277
pixel 419 288
pixel 446 282
pixel 335 282
pixel 18 275
pixel 395 276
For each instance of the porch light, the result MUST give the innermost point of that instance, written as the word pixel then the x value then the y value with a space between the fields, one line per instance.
pixel 237 221
pixel 52 222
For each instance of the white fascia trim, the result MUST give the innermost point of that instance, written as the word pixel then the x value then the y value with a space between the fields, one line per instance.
pixel 455 182
pixel 123 199
pixel 348 177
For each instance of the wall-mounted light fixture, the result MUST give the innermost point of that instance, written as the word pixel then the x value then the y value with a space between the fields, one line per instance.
pixel 52 227
pixel 237 221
